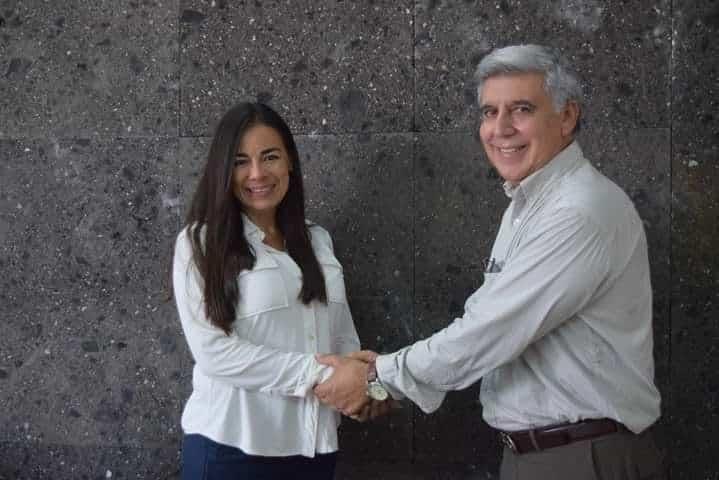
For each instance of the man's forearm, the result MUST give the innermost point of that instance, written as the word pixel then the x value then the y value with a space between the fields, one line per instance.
pixel 400 382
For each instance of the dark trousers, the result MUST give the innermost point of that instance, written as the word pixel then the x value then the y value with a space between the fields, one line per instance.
pixel 617 456
pixel 203 459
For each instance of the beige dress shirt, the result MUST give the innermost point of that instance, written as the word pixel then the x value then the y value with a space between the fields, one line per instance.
pixel 561 328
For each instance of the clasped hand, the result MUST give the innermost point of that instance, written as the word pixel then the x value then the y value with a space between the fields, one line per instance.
pixel 346 389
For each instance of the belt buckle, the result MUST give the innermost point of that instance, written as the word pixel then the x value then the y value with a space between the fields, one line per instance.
pixel 508 442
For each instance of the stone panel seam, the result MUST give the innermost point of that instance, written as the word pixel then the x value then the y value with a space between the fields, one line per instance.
pixel 178 59
pixel 672 62
pixel 413 439
pixel 415 139
pixel 414 66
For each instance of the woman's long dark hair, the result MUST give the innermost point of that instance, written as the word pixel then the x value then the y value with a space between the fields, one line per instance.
pixel 219 247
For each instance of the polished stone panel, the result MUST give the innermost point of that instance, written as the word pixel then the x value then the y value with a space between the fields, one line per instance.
pixel 459 203
pixel 30 460
pixel 106 109
pixel 326 66
pixel 90 378
pixel 359 188
pixel 72 69
pixel 93 352
pixel 455 433
pixel 384 325
pixel 624 59
pixel 84 214
pixel 695 265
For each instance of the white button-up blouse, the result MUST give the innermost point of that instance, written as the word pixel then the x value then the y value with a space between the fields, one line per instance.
pixel 253 389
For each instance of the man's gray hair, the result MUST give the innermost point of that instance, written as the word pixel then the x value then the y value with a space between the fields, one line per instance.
pixel 560 82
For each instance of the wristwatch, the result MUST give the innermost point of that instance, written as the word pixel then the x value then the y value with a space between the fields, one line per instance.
pixel 375 389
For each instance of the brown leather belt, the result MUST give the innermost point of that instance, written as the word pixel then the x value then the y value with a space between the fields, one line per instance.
pixel 538 439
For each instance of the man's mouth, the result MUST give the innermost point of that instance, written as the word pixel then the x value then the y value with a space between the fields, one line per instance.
pixel 510 150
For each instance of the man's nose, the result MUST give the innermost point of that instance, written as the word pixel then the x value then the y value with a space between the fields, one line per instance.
pixel 504 125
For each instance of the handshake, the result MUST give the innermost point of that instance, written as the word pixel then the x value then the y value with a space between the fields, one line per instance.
pixel 346 389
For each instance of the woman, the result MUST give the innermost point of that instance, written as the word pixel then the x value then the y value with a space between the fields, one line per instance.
pixel 259 292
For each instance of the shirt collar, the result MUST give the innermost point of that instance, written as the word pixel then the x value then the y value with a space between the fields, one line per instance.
pixel 252 231
pixel 557 167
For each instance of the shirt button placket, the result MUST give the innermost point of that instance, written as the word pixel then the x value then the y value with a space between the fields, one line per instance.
pixel 312 423
pixel 311 327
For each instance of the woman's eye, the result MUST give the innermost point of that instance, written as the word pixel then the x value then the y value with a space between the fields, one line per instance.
pixel 240 161
pixel 271 157
pixel 487 113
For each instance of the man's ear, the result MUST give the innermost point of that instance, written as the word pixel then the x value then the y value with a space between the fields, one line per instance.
pixel 570 117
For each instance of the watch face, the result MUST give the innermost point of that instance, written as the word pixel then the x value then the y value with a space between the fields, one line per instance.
pixel 377 392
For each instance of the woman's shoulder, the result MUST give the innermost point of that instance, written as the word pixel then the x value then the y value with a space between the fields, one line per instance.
pixel 321 240
pixel 184 240
pixel 189 230
pixel 319 233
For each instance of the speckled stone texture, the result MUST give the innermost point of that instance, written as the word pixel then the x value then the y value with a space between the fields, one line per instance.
pixel 106 114
pixel 73 68
pixel 695 229
pixel 328 66
pixel 622 48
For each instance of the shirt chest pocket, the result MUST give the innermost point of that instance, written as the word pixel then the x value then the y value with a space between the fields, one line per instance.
pixel 489 278
pixel 476 297
pixel 262 289
pixel 334 279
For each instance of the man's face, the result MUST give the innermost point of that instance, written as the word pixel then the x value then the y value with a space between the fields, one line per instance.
pixel 520 130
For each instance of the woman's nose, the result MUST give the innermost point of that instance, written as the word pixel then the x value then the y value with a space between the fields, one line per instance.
pixel 256 169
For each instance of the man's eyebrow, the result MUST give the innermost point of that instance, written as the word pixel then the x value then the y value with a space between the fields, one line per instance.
pixel 512 103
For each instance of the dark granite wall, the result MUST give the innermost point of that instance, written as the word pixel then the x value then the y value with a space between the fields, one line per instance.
pixel 105 112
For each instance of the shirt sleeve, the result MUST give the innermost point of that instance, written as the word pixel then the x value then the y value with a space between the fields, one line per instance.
pixel 345 339
pixel 229 358
pixel 345 335
pixel 551 276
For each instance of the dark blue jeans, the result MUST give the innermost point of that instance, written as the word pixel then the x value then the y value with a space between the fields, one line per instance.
pixel 203 459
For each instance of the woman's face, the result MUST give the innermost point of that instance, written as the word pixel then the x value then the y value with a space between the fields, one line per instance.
pixel 261 174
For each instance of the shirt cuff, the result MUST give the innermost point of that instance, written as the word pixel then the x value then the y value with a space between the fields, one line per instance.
pixel 324 373
pixel 398 380
pixel 319 373
pixel 386 370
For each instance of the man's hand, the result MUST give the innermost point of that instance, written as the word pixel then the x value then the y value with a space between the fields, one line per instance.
pixel 346 389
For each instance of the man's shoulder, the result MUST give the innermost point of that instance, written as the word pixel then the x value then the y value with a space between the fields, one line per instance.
pixel 591 194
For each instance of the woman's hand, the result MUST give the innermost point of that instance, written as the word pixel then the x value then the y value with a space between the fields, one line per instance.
pixel 374 409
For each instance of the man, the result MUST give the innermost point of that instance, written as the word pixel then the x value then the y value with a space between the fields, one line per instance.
pixel 560 332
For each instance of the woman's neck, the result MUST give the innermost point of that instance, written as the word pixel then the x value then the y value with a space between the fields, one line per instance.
pixel 268 225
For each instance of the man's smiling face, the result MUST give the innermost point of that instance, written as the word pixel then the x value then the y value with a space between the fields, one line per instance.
pixel 521 131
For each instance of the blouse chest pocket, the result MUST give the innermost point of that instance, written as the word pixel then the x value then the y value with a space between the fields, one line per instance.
pixel 334 279
pixel 262 289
